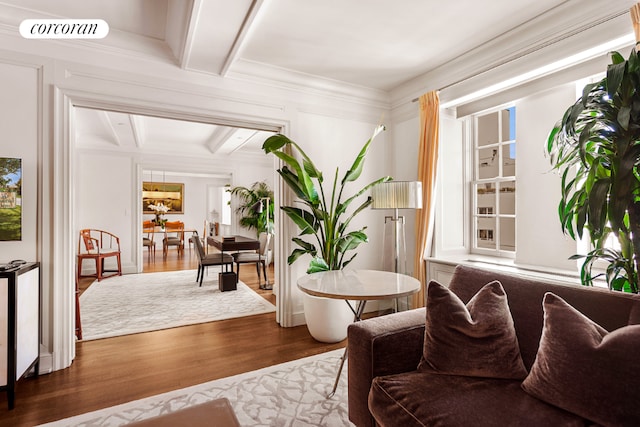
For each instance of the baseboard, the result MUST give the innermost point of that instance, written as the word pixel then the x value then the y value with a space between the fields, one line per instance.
pixel 46 361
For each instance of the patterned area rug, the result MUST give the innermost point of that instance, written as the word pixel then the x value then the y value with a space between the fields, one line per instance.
pixel 289 394
pixel 136 303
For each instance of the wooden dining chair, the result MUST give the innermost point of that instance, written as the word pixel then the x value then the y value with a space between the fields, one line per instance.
pixel 98 245
pixel 173 236
pixel 148 230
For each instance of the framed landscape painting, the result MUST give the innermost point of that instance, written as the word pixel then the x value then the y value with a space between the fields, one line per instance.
pixel 10 199
pixel 169 194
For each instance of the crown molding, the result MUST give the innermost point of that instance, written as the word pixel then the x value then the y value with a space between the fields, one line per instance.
pixel 571 27
pixel 282 78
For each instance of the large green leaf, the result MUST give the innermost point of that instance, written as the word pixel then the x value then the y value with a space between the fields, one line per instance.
pixel 309 247
pixel 275 143
pixel 342 207
pixel 305 220
pixel 356 168
pixel 615 75
pixel 317 265
pixel 291 179
pixel 304 180
pixel 295 254
pixel 351 241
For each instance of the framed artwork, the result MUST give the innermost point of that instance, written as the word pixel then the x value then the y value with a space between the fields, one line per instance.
pixel 170 194
pixel 10 199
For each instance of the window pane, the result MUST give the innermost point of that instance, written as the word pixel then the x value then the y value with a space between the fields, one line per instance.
pixel 488 129
pixel 487 163
pixel 508 124
pixel 486 229
pixel 508 234
pixel 486 199
pixel 508 198
pixel 509 159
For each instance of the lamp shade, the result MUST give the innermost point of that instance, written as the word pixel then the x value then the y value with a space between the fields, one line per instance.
pixel 397 195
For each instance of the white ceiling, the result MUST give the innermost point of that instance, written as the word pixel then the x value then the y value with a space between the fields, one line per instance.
pixel 97 129
pixel 374 44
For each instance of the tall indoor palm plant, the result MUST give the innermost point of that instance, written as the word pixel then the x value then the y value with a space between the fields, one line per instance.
pixel 327 219
pixel 260 220
pixel 596 146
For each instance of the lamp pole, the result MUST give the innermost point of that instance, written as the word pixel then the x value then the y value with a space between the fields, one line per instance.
pixel 398 240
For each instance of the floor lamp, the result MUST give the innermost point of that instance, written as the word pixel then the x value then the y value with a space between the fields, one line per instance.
pixel 396 195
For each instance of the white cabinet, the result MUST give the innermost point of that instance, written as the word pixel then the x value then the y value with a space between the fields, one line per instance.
pixel 19 325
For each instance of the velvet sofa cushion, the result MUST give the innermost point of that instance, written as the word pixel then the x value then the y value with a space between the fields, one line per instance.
pixel 430 399
pixel 477 339
pixel 584 369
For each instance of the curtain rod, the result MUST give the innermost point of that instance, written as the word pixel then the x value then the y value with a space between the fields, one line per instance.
pixel 529 51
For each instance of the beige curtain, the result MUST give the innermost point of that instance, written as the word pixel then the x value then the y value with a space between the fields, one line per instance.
pixel 427 165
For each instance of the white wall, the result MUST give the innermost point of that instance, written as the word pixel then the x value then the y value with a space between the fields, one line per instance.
pixel 104 195
pixel 19 123
pixel 539 236
pixel 402 155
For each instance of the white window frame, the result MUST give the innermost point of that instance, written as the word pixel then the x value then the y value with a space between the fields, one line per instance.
pixel 498 181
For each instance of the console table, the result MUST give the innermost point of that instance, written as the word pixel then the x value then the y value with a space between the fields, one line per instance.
pixel 20 313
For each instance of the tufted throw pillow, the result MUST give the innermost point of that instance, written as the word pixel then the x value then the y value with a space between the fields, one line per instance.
pixel 476 340
pixel 582 368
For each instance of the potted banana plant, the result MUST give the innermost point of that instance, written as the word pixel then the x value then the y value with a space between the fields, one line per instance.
pixel 596 147
pixel 326 219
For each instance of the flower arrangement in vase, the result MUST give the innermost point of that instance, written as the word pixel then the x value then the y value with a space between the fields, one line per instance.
pixel 159 210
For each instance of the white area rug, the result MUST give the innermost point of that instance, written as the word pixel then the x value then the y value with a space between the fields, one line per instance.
pixel 151 301
pixel 289 394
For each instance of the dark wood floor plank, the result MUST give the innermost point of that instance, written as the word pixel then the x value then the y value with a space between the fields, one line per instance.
pixel 117 370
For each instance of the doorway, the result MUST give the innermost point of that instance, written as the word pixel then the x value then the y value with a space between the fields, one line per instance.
pixel 129 162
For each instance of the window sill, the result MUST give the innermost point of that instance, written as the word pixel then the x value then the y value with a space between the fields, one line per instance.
pixel 509 265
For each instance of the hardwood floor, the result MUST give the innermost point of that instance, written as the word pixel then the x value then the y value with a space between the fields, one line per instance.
pixel 112 371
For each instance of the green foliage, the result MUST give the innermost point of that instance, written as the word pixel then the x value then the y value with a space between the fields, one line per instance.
pixel 326 219
pixel 11 223
pixel 596 146
pixel 249 217
pixel 9 166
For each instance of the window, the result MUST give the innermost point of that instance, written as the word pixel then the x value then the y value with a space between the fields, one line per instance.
pixel 225 195
pixel 494 183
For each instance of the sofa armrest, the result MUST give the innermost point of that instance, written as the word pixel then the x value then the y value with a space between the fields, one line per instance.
pixel 382 345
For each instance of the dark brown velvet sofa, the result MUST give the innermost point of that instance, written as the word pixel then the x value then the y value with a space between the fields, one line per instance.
pixel 385 387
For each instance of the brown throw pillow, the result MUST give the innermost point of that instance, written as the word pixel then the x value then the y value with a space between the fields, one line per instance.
pixel 476 340
pixel 582 368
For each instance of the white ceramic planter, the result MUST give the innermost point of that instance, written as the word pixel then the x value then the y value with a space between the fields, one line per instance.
pixel 327 318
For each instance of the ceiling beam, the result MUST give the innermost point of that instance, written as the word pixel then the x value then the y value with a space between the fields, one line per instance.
pixel 218 138
pixel 243 34
pixel 138 129
pixel 189 34
pixel 106 120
